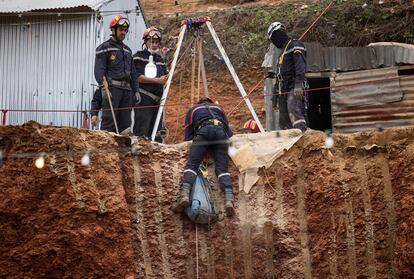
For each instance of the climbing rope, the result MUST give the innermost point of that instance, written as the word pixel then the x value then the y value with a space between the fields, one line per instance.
pixel 197 250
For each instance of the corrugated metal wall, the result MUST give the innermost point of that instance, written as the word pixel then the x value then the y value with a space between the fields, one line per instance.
pixel 47 65
pixel 368 117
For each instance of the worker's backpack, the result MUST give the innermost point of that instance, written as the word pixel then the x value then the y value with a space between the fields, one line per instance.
pixel 202 208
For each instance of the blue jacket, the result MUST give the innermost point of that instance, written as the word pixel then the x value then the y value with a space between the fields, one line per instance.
pixel 199 113
pixel 292 65
pixel 114 61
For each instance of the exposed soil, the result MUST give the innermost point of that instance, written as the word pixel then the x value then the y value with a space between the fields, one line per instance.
pixel 346 212
pixel 342 213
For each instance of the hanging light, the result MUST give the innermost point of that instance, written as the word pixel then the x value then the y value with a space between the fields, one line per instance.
pixel 86 158
pixel 329 141
pixel 232 150
pixel 40 161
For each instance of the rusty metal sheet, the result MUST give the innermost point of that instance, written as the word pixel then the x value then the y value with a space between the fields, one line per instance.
pixel 16 6
pixel 344 59
pixel 369 117
pixel 364 88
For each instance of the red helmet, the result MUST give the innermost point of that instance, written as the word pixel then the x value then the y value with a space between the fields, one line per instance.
pixel 251 125
pixel 118 21
pixel 151 32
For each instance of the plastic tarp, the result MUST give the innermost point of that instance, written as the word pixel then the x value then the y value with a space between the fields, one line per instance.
pixel 254 151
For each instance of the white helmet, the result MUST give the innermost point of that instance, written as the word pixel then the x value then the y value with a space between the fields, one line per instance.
pixel 273 27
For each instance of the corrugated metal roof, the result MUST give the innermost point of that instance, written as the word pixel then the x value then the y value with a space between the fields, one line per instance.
pixel 17 6
pixel 371 116
pixel 389 53
pixel 345 59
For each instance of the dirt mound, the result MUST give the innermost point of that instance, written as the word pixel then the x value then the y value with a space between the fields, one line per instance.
pixel 346 212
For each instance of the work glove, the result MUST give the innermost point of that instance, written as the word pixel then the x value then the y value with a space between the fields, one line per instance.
pixel 137 98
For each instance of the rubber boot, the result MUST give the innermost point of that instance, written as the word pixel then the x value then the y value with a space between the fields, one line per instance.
pixel 183 199
pixel 228 202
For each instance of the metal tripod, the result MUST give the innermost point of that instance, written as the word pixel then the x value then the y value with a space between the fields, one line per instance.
pixel 198 22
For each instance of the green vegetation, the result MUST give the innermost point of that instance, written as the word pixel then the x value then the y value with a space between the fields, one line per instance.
pixel 347 23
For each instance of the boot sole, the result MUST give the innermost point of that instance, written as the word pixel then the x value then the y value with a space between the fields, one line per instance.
pixel 180 207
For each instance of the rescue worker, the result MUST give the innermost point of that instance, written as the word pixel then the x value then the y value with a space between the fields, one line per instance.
pixel 115 69
pixel 151 88
pixel 207 125
pixel 291 82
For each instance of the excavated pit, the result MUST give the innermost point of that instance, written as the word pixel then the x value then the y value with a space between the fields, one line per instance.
pixel 346 212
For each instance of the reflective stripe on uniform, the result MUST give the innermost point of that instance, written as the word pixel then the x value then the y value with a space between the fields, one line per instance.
pixel 111 49
pixel 190 170
pixel 296 48
pixel 223 174
pixel 141 59
pixel 299 121
pixel 147 60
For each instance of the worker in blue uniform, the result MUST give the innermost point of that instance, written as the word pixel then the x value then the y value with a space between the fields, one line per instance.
pixel 114 69
pixel 207 125
pixel 290 92
pixel 150 88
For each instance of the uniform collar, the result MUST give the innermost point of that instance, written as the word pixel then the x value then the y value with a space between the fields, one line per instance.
pixel 116 42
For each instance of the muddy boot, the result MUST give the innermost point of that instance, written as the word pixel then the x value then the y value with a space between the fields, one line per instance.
pixel 228 202
pixel 183 199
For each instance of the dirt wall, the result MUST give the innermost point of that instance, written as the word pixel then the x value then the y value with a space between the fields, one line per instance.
pixel 346 212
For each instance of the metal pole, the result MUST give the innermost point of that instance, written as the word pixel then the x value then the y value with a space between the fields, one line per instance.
pixel 203 69
pixel 170 76
pixel 234 75
pixel 85 119
pixel 4 117
pixel 193 72
pixel 109 95
pixel 199 70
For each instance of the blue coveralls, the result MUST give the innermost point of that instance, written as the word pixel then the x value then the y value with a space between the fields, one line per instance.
pixel 200 127
pixel 151 94
pixel 114 61
pixel 291 69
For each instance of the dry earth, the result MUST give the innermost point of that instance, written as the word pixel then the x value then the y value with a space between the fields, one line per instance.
pixel 342 213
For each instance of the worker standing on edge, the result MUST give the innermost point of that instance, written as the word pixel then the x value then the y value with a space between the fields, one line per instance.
pixel 151 87
pixel 291 83
pixel 115 70
pixel 207 125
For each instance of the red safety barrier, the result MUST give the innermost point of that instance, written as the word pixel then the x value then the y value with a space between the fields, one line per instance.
pixel 85 123
pixel 4 116
pixel 181 104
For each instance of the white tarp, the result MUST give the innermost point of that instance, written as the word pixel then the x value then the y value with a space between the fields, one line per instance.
pixel 254 151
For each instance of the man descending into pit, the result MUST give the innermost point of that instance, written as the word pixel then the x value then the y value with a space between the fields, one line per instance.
pixel 151 83
pixel 114 69
pixel 207 125
pixel 291 83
